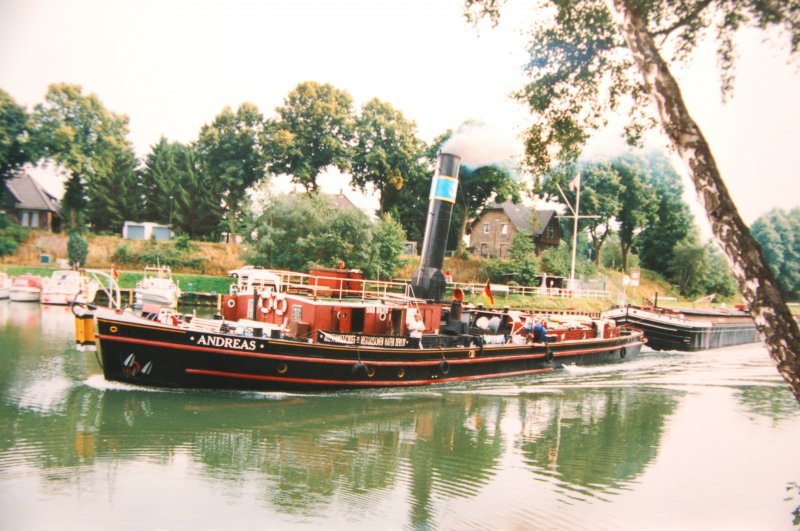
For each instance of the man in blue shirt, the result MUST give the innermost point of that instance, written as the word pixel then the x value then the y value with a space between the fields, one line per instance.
pixel 539 331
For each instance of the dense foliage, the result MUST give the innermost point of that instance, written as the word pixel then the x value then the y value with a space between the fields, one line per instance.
pixel 13 136
pixel 179 253
pixel 296 232
pixel 77 249
pixel 778 233
pixel 11 236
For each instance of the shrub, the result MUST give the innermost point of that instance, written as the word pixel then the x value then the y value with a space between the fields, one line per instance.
pixel 77 249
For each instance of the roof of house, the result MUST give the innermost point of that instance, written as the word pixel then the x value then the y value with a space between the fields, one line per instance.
pixel 339 202
pixel 522 217
pixel 29 195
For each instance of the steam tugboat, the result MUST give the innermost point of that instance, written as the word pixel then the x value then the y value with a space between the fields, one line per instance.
pixel 333 329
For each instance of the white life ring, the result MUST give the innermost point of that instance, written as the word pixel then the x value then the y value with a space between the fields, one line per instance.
pixel 281 305
pixel 382 315
pixel 231 303
pixel 265 303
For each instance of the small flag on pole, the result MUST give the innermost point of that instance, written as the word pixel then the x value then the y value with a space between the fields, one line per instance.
pixel 114 272
pixel 575 182
pixel 487 292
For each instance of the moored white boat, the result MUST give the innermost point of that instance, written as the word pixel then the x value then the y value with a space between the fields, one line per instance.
pixel 25 288
pixel 66 285
pixel 5 283
pixel 156 290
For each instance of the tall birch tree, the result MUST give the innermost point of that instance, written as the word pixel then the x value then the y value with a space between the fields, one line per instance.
pixel 592 56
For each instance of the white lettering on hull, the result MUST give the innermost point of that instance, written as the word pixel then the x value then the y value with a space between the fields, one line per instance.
pixel 227 342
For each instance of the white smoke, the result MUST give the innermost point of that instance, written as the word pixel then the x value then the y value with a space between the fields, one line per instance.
pixel 479 145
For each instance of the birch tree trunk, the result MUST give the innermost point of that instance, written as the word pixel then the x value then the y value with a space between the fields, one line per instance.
pixel 756 282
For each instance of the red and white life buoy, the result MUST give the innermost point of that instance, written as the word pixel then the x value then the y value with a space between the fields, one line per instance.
pixel 266 303
pixel 281 304
pixel 231 303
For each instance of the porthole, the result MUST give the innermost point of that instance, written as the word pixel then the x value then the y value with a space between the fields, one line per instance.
pixel 401 373
pixel 370 371
pixel 282 368
pixel 113 329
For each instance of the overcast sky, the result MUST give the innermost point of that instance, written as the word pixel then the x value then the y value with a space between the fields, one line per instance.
pixel 171 66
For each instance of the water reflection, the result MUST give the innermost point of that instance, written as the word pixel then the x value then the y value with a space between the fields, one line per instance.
pixel 309 452
pixel 594 443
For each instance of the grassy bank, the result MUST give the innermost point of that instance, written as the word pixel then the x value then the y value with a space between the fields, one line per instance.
pixel 215 259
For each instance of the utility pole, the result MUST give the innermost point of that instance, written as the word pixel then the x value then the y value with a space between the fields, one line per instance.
pixel 574 184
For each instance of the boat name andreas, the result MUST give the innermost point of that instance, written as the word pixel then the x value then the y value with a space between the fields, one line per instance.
pixel 227 342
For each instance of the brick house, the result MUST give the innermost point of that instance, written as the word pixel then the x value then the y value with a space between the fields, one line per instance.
pixel 29 205
pixel 492 232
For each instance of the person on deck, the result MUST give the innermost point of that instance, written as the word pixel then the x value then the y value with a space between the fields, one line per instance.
pixel 539 332
pixel 415 328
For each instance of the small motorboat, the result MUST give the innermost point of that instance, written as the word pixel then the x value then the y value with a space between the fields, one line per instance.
pixel 67 285
pixel 25 288
pixel 5 283
pixel 156 290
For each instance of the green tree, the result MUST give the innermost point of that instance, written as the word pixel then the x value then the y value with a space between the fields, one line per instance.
pixel 13 138
pixel 600 196
pixel 314 130
pixel 159 176
pixel 387 152
pixel 298 231
pixel 79 133
pixel 591 56
pixel 635 201
pixel 719 280
pixel 688 267
pixel 669 221
pixel 778 234
pixel 115 194
pixel 195 206
pixel 386 248
pixel 522 259
pixel 558 261
pixel 699 269
pixel 230 151
pixel 11 235
pixel 77 249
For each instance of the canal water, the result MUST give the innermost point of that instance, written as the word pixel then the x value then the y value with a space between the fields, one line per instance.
pixel 707 440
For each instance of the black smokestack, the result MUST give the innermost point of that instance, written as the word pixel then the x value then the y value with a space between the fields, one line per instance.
pixel 428 281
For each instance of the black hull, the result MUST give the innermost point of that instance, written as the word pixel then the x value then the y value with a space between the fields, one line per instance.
pixel 675 336
pixel 164 356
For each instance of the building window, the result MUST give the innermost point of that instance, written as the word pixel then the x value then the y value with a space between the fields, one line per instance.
pixel 503 251
pixel 550 231
pixel 504 230
pixel 486 228
pixel 23 218
pixel 35 220
pixel 484 249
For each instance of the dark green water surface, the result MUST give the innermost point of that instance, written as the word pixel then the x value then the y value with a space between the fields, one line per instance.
pixel 707 440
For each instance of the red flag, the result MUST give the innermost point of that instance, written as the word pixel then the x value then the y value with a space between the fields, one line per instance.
pixel 575 182
pixel 114 272
pixel 487 292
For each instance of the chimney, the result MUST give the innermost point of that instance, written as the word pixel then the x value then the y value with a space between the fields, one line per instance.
pixel 429 281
